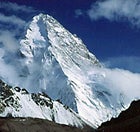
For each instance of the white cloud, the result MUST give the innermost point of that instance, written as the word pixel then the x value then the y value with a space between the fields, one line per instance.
pixel 123 81
pixel 78 12
pixel 12 20
pixel 15 7
pixel 12 16
pixel 131 63
pixel 9 47
pixel 9 33
pixel 122 85
pixel 116 10
pixel 9 41
pixel 8 72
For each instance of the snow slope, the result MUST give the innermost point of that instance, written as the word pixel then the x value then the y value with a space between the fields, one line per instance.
pixel 54 61
pixel 19 103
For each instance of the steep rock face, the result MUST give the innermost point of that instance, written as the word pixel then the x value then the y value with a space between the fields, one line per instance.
pixel 17 102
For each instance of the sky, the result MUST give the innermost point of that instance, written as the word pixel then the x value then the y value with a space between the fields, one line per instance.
pixel 109 28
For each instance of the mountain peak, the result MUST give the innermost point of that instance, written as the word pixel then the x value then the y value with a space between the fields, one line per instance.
pixel 45 29
pixel 43 16
pixel 56 62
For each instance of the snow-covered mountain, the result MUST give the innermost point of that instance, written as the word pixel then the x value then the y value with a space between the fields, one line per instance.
pixel 52 60
pixel 17 102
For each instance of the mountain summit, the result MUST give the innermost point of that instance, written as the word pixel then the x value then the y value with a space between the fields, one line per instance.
pixel 53 61
pixel 57 61
pixel 60 64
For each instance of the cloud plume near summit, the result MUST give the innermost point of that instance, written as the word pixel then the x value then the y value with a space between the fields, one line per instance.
pixel 116 10
pixel 12 26
pixel 12 23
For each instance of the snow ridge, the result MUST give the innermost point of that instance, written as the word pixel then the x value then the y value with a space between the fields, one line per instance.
pixel 18 102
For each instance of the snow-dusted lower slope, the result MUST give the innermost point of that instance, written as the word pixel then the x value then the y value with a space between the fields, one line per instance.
pixel 18 102
pixel 54 61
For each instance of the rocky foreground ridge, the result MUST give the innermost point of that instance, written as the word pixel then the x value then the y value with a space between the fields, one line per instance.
pixel 36 125
pixel 127 121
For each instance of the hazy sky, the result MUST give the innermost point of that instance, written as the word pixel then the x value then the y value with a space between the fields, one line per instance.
pixel 109 28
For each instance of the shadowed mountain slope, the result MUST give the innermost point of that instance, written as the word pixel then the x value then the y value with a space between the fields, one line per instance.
pixel 127 121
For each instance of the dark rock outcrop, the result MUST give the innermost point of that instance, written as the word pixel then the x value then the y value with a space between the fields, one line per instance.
pixel 127 121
